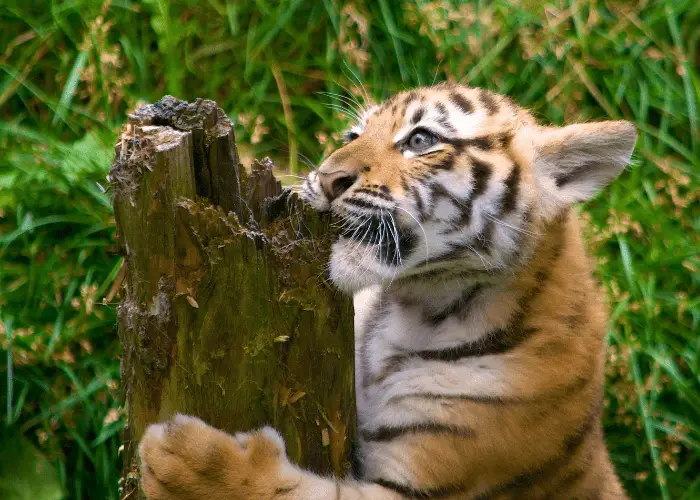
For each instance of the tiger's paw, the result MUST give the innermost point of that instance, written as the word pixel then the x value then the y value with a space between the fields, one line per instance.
pixel 188 459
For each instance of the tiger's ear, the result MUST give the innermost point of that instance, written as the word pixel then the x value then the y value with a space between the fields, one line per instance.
pixel 572 163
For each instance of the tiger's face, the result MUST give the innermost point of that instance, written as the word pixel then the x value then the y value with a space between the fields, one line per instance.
pixel 454 179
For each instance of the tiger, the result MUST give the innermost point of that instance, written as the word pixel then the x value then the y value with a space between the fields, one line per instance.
pixel 479 327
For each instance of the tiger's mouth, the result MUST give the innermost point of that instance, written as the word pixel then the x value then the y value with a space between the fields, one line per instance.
pixel 380 234
pixel 375 243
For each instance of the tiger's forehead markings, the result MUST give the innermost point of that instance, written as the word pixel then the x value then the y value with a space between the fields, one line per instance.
pixel 410 97
pixel 449 114
pixel 444 118
pixel 453 111
pixel 461 102
pixel 488 101
pixel 417 115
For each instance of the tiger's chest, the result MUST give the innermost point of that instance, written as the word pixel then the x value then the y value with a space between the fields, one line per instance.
pixel 393 346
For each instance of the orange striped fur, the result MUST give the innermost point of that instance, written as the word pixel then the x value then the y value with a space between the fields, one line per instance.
pixel 479 329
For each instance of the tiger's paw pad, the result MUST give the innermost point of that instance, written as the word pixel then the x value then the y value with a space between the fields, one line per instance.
pixel 185 458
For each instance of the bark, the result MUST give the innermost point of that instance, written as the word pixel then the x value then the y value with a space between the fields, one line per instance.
pixel 225 312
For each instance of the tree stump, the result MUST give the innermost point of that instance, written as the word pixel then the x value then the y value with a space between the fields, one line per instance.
pixel 225 312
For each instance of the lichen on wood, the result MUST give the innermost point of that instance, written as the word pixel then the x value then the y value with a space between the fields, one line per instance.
pixel 225 311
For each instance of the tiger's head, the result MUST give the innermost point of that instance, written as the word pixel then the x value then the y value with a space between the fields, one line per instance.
pixel 452 178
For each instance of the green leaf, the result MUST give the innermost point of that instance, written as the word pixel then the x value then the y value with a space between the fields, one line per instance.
pixel 25 474
pixel 70 87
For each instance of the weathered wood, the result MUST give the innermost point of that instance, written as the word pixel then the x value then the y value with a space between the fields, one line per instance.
pixel 225 311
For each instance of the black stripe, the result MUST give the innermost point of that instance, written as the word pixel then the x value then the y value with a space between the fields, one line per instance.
pixel 360 203
pixel 484 143
pixel 285 490
pixel 586 170
pixel 481 171
pixel 445 122
pixel 563 178
pixel 417 115
pixel 309 185
pixel 404 182
pixel 391 365
pixel 575 440
pixel 390 101
pixel 577 318
pixel 461 102
pixel 446 163
pixel 488 101
pixel 510 197
pixel 419 202
pixel 567 482
pixel 495 342
pixel 355 460
pixel 376 317
pixel 446 273
pixel 465 217
pixel 490 400
pixel 409 98
pixel 455 252
pixel 550 467
pixel 431 153
pixel 426 175
pixel 437 190
pixel 408 242
pixel 387 433
pixel 410 492
pixel 442 110
pixel 371 192
pixel 456 307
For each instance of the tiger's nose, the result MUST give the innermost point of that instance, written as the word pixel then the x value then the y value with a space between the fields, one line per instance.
pixel 336 183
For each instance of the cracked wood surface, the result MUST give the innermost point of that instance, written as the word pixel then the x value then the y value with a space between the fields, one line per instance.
pixel 225 311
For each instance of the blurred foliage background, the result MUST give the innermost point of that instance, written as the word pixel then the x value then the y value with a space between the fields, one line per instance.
pixel 71 69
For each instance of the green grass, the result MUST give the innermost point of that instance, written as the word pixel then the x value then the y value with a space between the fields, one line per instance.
pixel 71 69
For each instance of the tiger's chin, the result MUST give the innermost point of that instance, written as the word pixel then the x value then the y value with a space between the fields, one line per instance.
pixel 354 267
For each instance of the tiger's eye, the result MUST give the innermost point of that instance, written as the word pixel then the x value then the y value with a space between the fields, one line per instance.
pixel 421 140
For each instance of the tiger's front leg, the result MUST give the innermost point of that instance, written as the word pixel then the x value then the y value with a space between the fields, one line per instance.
pixel 186 459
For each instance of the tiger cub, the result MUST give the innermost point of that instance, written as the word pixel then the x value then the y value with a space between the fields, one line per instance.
pixel 479 330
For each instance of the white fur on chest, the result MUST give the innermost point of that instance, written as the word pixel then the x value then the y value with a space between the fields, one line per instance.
pixel 385 330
